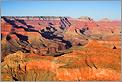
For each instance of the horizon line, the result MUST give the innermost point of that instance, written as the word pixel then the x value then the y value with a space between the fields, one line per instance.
pixel 65 16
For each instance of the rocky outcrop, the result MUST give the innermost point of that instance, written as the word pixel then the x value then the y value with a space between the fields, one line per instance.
pixel 30 37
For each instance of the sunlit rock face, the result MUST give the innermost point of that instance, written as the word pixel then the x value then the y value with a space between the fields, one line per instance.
pixel 60 48
pixel 33 33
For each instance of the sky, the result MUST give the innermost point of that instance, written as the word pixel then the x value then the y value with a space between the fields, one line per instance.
pixel 95 9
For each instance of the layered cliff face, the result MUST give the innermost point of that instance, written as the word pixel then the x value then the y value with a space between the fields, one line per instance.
pixel 60 48
pixel 28 34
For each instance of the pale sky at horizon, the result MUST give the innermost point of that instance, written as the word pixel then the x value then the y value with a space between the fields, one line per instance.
pixel 94 9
